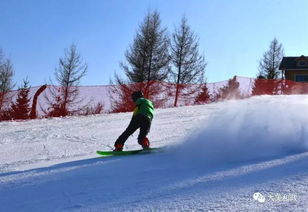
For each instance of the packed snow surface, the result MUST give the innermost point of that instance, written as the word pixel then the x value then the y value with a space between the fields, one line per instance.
pixel 246 155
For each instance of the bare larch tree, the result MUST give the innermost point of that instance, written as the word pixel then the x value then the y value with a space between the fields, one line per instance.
pixel 147 61
pixel 6 80
pixel 269 63
pixel 68 74
pixel 148 57
pixel 268 79
pixel 189 64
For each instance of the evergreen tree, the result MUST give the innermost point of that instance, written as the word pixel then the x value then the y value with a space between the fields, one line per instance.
pixel 189 64
pixel 204 96
pixel 230 91
pixel 21 108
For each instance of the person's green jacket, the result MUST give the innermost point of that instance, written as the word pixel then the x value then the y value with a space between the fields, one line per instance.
pixel 145 107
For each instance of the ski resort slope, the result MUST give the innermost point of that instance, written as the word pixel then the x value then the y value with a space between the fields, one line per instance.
pixel 246 155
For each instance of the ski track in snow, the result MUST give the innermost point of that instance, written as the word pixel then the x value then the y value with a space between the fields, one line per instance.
pixel 216 157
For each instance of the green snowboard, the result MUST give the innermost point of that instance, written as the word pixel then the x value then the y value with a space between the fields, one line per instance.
pixel 128 152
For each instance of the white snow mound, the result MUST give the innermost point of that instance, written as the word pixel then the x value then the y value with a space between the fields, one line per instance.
pixel 249 130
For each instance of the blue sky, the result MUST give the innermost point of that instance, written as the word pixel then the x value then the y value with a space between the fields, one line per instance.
pixel 233 33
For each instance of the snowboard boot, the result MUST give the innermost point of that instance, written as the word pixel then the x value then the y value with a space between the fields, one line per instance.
pixel 118 147
pixel 145 143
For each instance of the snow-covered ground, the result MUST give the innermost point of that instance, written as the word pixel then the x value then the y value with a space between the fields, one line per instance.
pixel 247 155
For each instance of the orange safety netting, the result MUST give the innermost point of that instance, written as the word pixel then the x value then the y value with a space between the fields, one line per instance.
pixel 117 98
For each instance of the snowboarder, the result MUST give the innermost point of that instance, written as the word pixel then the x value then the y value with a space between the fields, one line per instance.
pixel 142 118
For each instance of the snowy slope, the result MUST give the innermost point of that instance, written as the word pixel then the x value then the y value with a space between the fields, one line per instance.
pixel 216 158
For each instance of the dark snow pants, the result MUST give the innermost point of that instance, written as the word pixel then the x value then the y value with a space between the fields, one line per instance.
pixel 139 121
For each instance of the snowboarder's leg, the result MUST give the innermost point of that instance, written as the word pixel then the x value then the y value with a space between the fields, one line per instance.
pixel 145 125
pixel 132 127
